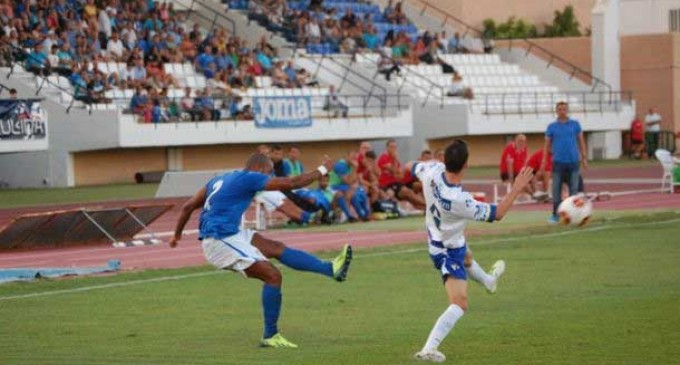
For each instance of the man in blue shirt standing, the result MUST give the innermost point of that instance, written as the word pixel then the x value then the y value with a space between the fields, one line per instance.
pixel 564 138
pixel 229 247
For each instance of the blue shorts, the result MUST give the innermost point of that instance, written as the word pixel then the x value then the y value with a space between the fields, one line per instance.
pixel 451 263
pixel 341 187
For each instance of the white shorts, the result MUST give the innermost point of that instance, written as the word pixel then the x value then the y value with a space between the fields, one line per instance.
pixel 270 199
pixel 234 252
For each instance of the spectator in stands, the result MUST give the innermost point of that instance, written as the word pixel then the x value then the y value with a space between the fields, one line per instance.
pixel 637 138
pixel 138 72
pixel 138 101
pixel 293 165
pixel 386 65
pixel 370 38
pixel 333 103
pixel 564 138
pixel 115 48
pixel 187 105
pixel 653 123
pixel 36 61
pixel 237 110
pixel 454 45
pixel 458 89
pixel 205 103
pixel 513 158
pixel 304 79
pixel 12 93
pixel 391 175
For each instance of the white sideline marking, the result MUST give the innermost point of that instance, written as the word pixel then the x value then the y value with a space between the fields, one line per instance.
pixel 376 254
pixel 112 285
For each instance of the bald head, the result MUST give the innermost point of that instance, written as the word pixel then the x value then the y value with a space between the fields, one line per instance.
pixel 259 162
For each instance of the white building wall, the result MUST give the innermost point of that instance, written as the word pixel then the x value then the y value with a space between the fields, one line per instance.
pixel 645 16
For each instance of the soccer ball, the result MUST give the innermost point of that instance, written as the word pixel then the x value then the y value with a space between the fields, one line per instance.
pixel 575 210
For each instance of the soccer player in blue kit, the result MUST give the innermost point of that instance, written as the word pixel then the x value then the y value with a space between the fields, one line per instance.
pixel 224 199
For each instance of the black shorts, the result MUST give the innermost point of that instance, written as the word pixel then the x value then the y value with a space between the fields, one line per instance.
pixel 395 187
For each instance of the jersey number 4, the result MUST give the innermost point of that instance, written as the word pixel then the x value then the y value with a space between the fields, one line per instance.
pixel 215 188
pixel 436 215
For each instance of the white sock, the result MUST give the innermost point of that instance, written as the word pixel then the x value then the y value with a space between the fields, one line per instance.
pixel 478 274
pixel 443 326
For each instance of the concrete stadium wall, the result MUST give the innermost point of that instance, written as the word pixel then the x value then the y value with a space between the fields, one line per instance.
pixel 116 165
pixel 120 165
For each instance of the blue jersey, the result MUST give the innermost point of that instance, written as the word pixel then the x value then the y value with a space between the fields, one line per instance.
pixel 564 138
pixel 227 198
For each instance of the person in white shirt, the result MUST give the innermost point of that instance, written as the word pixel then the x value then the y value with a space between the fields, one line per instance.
pixel 105 22
pixel 449 208
pixel 458 89
pixel 653 123
pixel 115 47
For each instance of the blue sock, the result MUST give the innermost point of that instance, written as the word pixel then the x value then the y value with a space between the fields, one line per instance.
pixel 302 261
pixel 306 217
pixel 271 305
pixel 342 203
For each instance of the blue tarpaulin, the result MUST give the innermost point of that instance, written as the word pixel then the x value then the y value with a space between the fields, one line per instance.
pixel 25 274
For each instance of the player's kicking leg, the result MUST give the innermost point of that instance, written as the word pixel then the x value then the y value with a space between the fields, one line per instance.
pixel 476 273
pixel 303 261
pixel 271 303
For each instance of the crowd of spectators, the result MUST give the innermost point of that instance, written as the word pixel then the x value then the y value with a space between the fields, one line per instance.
pixel 72 38
pixel 360 26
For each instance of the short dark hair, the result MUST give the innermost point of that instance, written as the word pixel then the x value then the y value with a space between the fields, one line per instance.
pixel 456 156
pixel 277 147
pixel 370 154
pixel 561 103
pixel 12 91
pixel 390 141
pixel 257 159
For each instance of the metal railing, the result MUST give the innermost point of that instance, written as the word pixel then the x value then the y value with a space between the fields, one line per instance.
pixel 431 85
pixel 540 103
pixel 349 107
pixel 215 17
pixel 552 57
pixel 347 70
pixel 24 55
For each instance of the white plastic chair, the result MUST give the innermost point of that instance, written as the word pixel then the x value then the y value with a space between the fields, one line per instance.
pixel 668 163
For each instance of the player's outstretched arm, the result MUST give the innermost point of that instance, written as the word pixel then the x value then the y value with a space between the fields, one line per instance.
pixel 296 182
pixel 521 180
pixel 192 204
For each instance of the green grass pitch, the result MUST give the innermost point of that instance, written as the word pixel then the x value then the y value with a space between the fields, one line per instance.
pixel 607 294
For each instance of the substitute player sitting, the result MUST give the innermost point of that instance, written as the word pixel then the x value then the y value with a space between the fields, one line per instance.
pixel 449 208
pixel 540 176
pixel 226 246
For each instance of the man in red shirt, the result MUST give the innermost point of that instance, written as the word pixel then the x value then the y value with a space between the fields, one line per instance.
pixel 513 158
pixel 540 175
pixel 391 175
pixel 637 138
